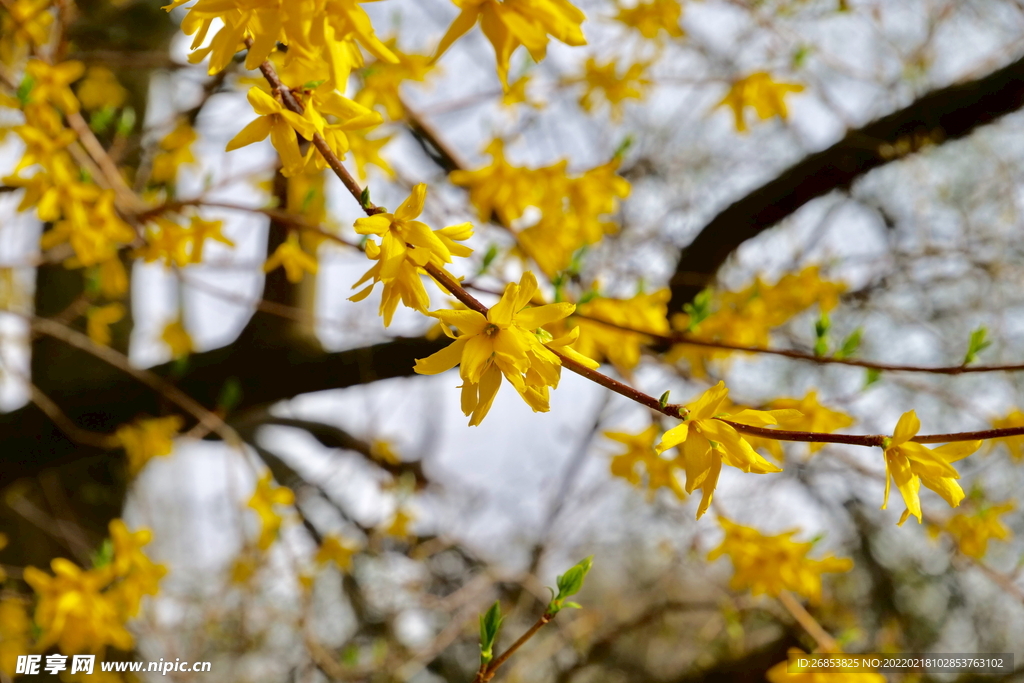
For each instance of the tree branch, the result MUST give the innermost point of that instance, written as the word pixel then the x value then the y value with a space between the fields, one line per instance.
pixel 946 114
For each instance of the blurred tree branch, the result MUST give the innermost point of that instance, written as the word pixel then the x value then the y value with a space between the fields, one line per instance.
pixel 939 116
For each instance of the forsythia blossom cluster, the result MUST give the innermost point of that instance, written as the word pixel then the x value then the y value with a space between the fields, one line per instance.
pixel 573 208
pixel 406 245
pixel 772 564
pixel 508 340
pixel 746 317
pixel 85 610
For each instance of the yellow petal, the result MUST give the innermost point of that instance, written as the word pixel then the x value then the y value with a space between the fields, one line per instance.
pixel 254 132
pixel 906 428
pixel 442 361
pixel 413 205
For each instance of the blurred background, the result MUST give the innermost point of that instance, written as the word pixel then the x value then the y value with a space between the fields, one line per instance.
pixel 893 170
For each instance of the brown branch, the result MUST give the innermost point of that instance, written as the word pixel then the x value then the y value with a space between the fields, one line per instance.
pixel 158 384
pixel 945 114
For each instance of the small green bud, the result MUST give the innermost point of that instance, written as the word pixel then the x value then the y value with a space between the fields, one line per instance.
pixel 490 626
pixel 978 343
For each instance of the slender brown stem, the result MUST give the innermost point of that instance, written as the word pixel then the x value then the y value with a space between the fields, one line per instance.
pixel 690 340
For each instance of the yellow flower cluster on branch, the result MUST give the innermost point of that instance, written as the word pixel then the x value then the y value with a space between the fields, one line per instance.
pixel 641 465
pixel 406 246
pixel 24 26
pixel 772 564
pixel 507 341
pixel 573 208
pixel 760 92
pixel 620 347
pixel 264 501
pixel 972 532
pixel 317 32
pixel 746 317
pixel 507 24
pixel 813 417
pixel 146 439
pixel 86 610
pixel 382 80
pixel 909 464
pixel 603 83
pixel 705 442
pixel 653 17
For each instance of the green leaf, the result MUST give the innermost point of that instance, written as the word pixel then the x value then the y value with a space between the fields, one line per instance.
pixel 871 376
pixel 126 124
pixel 25 89
pixel 490 626
pixel 821 329
pixel 976 345
pixel 699 309
pixel 230 394
pixel 663 401
pixel 100 120
pixel 623 147
pixel 104 555
pixel 313 85
pixel 850 344
pixel 489 256
pixel 588 296
pixel 307 201
pixel 364 198
pixel 569 584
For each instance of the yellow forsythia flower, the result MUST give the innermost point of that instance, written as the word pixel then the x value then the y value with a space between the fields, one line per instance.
pixel 52 83
pixel 336 550
pixel 622 348
pixel 23 26
pixel 909 464
pixel 772 564
pixel 382 81
pixel 705 442
pixel 399 525
pixel 640 464
pixel 99 319
pixel 266 496
pixel 73 612
pixel 15 633
pixel 177 339
pixel 973 532
pixel 138 575
pixel 603 83
pixel 512 23
pixel 759 91
pixel 507 341
pixel 100 89
pixel 281 125
pixel 652 17
pixel 406 245
pixel 1014 444
pixel 290 256
pixel 175 151
pixel 813 417
pixel 146 439
pixel 366 152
